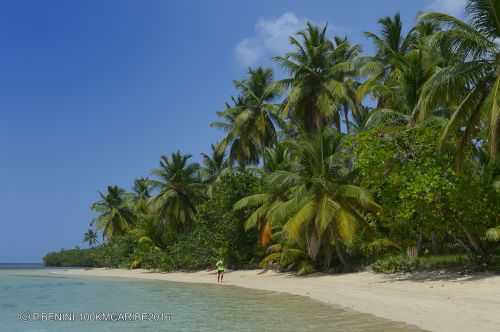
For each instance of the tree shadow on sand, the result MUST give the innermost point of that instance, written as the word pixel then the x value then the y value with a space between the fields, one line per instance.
pixel 439 275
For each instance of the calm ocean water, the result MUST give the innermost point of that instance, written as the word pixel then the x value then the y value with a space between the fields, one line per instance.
pixel 33 290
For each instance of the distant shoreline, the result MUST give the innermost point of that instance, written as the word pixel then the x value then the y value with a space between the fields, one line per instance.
pixel 21 265
pixel 432 301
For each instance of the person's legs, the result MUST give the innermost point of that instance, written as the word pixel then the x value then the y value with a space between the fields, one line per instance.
pixel 221 276
pixel 218 276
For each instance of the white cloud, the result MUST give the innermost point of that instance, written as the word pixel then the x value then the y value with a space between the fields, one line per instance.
pixel 249 52
pixel 271 38
pixel 452 7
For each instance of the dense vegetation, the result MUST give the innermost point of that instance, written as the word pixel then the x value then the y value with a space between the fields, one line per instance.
pixel 350 160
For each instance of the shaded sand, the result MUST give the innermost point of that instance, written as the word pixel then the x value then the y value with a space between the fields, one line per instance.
pixel 432 301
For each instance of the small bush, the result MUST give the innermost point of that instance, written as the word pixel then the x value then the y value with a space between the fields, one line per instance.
pixel 403 263
pixel 443 262
pixel 393 264
pixel 305 268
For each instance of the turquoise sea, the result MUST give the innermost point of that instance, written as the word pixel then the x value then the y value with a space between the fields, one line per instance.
pixel 28 292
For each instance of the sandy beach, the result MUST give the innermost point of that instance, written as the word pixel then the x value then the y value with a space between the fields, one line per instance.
pixel 435 301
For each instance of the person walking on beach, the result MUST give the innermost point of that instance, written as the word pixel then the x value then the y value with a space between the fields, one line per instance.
pixel 220 270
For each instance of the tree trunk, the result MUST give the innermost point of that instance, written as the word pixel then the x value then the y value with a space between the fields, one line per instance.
pixel 472 241
pixel 419 243
pixel 346 115
pixel 462 244
pixel 434 243
pixel 342 257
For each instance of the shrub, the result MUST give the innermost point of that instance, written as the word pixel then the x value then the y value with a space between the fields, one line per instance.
pixel 403 263
pixel 393 264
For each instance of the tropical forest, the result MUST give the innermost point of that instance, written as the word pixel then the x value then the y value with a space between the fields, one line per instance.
pixel 388 161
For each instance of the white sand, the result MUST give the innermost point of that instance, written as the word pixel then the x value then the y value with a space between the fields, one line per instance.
pixel 435 302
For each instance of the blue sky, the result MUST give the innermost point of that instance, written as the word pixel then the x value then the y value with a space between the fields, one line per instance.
pixel 93 92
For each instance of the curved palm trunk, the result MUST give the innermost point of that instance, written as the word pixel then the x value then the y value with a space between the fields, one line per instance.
pixel 346 116
pixel 342 256
pixel 337 122
pixel 265 234
pixel 473 241
pixel 313 119
pixel 313 246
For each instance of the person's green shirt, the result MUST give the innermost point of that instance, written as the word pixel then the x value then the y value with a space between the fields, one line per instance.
pixel 220 266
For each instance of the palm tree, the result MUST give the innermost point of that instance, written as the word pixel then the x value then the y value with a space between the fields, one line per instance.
pixel 249 122
pixel 268 209
pixel 90 237
pixel 276 158
pixel 402 64
pixel 474 81
pixel 115 216
pixel 180 189
pixel 315 206
pixel 214 164
pixel 391 40
pixel 266 213
pixel 318 69
pixel 390 44
pixel 348 54
pixel 242 148
pixel 398 72
pixel 360 119
pixel 142 189
pixel 325 210
pixel 141 197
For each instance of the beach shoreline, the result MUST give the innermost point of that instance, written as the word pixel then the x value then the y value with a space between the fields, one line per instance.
pixel 437 301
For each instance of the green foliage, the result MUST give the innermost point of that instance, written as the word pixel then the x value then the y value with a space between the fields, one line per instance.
pixel 180 188
pixel 220 229
pixel 493 234
pixel 73 257
pixel 380 248
pixel 115 253
pixel 393 264
pixel 401 263
pixel 90 237
pixel 420 193
pixel 305 268
pixel 417 171
pixel 320 78
pixel 250 122
pixel 115 216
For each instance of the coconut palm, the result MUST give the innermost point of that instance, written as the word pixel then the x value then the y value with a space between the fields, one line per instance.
pixel 249 121
pixel 90 237
pixel 276 158
pixel 402 64
pixel 142 189
pixel 180 188
pixel 115 215
pixel 268 208
pixel 474 81
pixel 367 118
pixel 141 197
pixel 391 40
pixel 325 210
pixel 390 44
pixel 348 54
pixel 318 69
pixel 214 164
pixel 242 148
pixel 398 72
pixel 317 208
